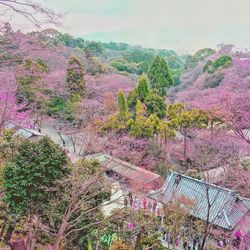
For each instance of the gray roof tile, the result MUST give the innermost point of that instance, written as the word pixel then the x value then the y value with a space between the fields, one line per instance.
pixel 227 208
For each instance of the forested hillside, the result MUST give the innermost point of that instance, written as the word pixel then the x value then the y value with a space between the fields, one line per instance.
pixel 153 108
pixel 75 81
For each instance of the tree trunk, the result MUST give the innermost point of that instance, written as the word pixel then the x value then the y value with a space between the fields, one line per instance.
pixel 3 229
pixel 60 234
pixel 98 239
pixel 212 129
pixel 138 241
pixel 9 231
pixel 185 145
pixel 63 141
pixel 74 144
pixel 203 242
pixel 59 238
pixel 207 223
pixel 30 239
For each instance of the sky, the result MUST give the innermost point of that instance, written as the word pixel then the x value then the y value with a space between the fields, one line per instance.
pixel 171 24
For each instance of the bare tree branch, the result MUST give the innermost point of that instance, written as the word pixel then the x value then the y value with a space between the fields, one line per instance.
pixel 32 11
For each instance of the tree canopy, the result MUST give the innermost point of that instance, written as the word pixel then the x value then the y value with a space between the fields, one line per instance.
pixel 28 179
pixel 160 76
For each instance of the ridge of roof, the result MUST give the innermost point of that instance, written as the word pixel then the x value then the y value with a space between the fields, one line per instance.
pixel 131 165
pixel 119 161
pixel 226 211
pixel 206 183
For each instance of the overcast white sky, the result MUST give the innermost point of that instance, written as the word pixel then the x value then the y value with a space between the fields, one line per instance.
pixel 186 24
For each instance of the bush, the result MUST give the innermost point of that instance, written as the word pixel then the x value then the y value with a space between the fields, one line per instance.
pixel 56 105
pixel 213 81
pixel 221 62
pixel 35 168
pixel 119 245
pixel 124 66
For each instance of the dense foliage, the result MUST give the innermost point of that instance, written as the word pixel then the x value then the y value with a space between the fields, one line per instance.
pixel 137 104
pixel 192 61
pixel 160 76
pixel 75 76
pixel 220 63
pixel 35 168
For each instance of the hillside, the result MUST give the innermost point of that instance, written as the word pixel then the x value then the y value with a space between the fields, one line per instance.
pixel 155 109
pixel 231 72
pixel 124 125
pixel 38 62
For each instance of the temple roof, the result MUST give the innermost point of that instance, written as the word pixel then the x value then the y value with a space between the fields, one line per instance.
pixel 227 207
pixel 125 169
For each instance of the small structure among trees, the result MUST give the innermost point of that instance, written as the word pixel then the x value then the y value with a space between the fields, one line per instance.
pixel 135 176
pixel 216 206
pixel 224 206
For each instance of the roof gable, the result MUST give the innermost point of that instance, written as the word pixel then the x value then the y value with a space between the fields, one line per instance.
pixel 124 168
pixel 227 208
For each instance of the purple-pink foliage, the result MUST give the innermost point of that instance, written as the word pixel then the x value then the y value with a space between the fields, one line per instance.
pixel 10 111
pixel 98 85
pixel 214 151
pixel 132 150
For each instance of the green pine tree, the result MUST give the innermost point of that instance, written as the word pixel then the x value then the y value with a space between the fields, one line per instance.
pixel 139 93
pixel 151 126
pixel 160 76
pixel 182 119
pixel 156 104
pixel 137 125
pixel 122 102
pixel 75 76
pixel 142 88
pixel 29 179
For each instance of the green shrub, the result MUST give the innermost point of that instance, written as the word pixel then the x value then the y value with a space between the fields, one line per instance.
pixel 56 105
pixel 221 62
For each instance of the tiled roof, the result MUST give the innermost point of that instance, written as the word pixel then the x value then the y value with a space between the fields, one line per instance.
pixel 125 169
pixel 27 133
pixel 23 132
pixel 227 208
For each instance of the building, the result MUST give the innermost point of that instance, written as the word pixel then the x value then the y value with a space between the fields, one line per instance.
pixel 227 209
pixel 28 133
pixel 137 177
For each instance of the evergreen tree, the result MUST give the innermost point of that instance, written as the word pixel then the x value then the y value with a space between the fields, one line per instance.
pixel 137 125
pixel 122 102
pixel 139 93
pixel 75 76
pixel 142 88
pixel 160 76
pixel 182 119
pixel 151 126
pixel 142 126
pixel 36 167
pixel 165 131
pixel 140 110
pixel 155 104
pixel 132 98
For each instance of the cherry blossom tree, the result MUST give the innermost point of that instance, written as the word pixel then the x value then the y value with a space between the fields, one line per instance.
pixel 209 153
pixel 238 179
pixel 229 108
pixel 10 111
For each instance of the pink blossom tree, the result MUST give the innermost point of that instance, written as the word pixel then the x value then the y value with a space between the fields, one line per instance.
pixel 228 108
pixel 10 111
pixel 209 153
